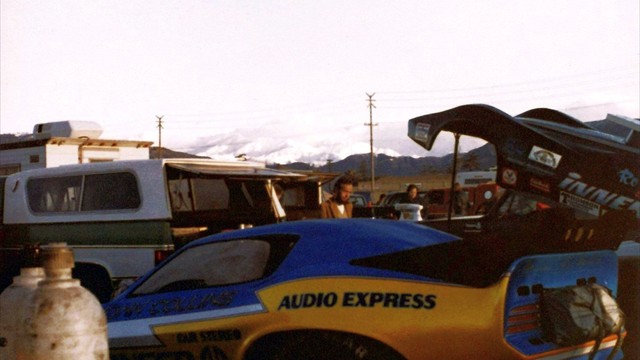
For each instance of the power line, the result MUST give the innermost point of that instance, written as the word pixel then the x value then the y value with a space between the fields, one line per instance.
pixel 605 74
pixel 569 88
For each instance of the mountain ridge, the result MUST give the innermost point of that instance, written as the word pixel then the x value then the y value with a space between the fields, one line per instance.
pixel 480 158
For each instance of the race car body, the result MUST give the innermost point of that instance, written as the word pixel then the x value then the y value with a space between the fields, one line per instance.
pixel 546 152
pixel 349 289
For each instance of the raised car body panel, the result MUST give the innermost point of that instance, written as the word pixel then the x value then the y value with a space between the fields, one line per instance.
pixel 547 153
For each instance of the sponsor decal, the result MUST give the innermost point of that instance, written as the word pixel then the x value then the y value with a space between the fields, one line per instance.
pixel 544 157
pixel 207 353
pixel 126 311
pixel 509 176
pixel 358 299
pixel 573 186
pixel 170 305
pixel 139 332
pixel 308 300
pixel 579 203
pixel 208 336
pixel 626 177
pixel 422 131
pixel 540 185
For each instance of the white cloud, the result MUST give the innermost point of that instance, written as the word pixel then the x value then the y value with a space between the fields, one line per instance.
pixel 302 74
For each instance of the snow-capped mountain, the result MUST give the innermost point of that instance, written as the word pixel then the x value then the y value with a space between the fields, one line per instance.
pixel 281 151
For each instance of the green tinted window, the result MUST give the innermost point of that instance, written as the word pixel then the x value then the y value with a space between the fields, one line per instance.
pixel 110 192
pixel 58 194
pixel 116 191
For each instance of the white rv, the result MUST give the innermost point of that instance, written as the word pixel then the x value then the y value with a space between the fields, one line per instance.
pixel 63 143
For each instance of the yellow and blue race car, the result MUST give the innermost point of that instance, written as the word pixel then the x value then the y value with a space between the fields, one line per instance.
pixel 350 289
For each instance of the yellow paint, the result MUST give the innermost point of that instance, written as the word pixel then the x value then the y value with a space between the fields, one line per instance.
pixel 465 322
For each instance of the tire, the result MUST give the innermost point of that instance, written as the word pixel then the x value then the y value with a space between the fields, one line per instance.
pixel 323 346
pixel 95 279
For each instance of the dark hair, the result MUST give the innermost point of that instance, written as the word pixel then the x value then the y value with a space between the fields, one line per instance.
pixel 344 180
pixel 411 187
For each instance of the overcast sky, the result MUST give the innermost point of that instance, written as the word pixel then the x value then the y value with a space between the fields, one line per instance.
pixel 300 70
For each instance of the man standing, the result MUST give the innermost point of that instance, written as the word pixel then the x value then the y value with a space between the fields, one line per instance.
pixel 339 206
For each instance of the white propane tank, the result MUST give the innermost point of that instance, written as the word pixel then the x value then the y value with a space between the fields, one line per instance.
pixel 13 301
pixel 63 320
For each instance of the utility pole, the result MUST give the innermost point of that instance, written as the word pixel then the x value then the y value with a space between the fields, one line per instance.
pixel 371 125
pixel 456 145
pixel 160 135
pixel 329 162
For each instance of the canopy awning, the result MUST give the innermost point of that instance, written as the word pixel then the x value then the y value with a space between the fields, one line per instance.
pixel 234 171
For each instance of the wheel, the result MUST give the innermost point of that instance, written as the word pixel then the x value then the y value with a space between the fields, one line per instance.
pixel 95 279
pixel 323 346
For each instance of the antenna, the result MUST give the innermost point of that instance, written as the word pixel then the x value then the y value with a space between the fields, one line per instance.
pixel 371 125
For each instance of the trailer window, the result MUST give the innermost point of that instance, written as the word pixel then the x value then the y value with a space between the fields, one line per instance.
pixel 210 194
pixel 116 191
pixel 59 194
pixel 110 192
pixel 198 194
pixel 294 196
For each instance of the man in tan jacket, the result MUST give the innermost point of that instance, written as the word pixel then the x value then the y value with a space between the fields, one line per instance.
pixel 339 206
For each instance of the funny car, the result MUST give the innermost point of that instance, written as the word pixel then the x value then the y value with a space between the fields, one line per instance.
pixel 550 154
pixel 349 289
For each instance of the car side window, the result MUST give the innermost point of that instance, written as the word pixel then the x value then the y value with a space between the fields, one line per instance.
pixel 218 264
pixel 436 197
pixel 518 205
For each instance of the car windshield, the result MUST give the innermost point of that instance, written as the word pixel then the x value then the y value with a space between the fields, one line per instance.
pixel 358 200
pixel 395 198
pixel 517 203
pixel 210 265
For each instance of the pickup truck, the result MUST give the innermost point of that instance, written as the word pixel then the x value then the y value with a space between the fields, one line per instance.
pixel 121 218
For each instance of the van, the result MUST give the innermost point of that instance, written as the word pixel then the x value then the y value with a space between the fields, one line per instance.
pixel 481 198
pixel 122 218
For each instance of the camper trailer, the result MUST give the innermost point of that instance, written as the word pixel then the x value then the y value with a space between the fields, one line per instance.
pixel 64 143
